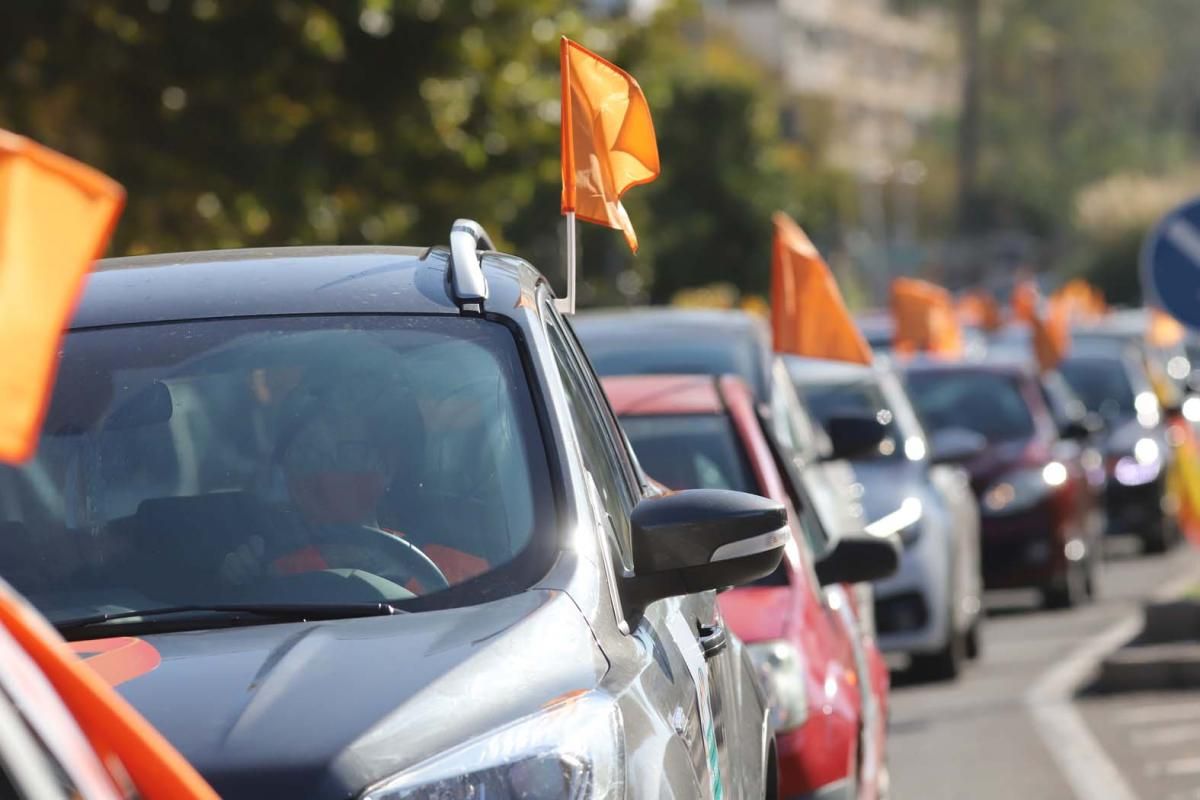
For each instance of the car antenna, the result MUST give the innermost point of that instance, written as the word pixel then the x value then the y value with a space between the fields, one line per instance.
pixel 468 286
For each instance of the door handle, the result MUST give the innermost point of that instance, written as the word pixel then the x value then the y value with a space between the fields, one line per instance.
pixel 713 640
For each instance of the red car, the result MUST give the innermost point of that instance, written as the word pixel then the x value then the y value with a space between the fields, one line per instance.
pixel 826 680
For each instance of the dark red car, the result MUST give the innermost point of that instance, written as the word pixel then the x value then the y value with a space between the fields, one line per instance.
pixel 826 680
pixel 1040 522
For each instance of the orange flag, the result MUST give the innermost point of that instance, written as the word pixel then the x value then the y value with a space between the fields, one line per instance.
pixel 1164 330
pixel 980 309
pixel 1052 335
pixel 114 729
pixel 924 318
pixel 56 216
pixel 808 315
pixel 608 142
pixel 1025 298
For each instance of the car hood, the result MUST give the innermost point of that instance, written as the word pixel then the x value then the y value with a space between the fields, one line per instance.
pixel 324 709
pixel 887 483
pixel 997 459
pixel 1124 434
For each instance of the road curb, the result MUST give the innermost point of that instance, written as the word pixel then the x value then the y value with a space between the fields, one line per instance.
pixel 1164 654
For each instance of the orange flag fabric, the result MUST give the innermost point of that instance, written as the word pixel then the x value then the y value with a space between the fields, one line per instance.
pixel 56 216
pixel 1083 301
pixel 808 315
pixel 980 309
pixel 1051 335
pixel 924 319
pixel 114 729
pixel 1025 298
pixel 1164 330
pixel 608 142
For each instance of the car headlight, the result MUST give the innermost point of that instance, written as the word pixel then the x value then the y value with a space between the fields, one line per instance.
pixel 571 751
pixel 781 674
pixel 1023 489
pixel 905 522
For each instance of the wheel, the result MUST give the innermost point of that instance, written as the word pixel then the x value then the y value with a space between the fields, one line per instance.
pixel 942 665
pixel 974 639
pixel 1067 590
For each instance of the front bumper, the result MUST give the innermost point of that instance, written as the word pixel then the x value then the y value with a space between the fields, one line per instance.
pixel 911 606
pixel 815 758
pixel 1135 509
pixel 1023 549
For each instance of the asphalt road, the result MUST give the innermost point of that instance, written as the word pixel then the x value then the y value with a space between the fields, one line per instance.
pixel 981 737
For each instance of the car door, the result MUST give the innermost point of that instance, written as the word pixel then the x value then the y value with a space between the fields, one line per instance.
pixel 694 670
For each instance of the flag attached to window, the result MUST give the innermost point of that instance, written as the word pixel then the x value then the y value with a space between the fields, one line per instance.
pixel 608 142
pixel 56 216
pixel 808 314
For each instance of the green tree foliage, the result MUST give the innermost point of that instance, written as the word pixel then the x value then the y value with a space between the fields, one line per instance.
pixel 379 121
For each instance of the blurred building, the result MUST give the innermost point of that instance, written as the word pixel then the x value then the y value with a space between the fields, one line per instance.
pixel 883 76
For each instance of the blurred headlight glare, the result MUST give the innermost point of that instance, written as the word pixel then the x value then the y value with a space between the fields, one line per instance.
pixel 1145 451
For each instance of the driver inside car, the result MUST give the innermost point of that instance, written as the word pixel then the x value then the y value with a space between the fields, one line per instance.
pixel 338 451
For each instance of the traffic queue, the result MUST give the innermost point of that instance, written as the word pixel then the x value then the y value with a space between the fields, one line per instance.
pixel 394 523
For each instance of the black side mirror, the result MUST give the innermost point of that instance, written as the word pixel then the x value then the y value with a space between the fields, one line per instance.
pixel 702 539
pixel 859 558
pixel 955 446
pixel 854 436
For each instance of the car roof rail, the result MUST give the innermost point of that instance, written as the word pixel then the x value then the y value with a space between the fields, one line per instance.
pixel 467 283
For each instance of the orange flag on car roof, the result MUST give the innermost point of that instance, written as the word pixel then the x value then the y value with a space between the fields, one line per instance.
pixel 808 315
pixel 979 308
pixel 608 142
pixel 56 216
pixel 924 319
pixel 1051 334
pixel 1164 330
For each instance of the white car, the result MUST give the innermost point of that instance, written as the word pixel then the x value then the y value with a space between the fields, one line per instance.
pixel 930 609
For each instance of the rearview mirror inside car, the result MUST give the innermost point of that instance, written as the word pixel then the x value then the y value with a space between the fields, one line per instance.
pixel 854 436
pixel 702 539
pixel 151 405
pixel 955 445
pixel 859 558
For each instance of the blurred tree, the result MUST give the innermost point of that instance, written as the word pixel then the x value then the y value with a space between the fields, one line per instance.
pixel 350 121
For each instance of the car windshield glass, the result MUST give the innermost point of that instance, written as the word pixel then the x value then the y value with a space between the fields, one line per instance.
pixel 855 399
pixel 988 403
pixel 692 451
pixel 697 355
pixel 281 460
pixel 1102 384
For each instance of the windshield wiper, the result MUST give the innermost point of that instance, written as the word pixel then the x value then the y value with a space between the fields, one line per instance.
pixel 281 612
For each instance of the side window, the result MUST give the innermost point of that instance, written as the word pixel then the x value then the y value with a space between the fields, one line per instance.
pixel 602 455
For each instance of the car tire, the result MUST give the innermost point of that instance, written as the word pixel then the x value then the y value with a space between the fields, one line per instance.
pixel 974 639
pixel 1068 590
pixel 941 665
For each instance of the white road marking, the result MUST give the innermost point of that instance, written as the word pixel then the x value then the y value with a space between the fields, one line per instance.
pixel 1165 736
pixel 1175 767
pixel 1091 774
pixel 1151 715
pixel 1186 237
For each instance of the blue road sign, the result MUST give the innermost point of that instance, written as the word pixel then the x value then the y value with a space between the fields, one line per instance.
pixel 1171 264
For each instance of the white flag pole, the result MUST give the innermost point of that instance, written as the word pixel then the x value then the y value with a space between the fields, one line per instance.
pixel 566 305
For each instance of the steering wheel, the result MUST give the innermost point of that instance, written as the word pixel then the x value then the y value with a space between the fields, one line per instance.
pixel 411 560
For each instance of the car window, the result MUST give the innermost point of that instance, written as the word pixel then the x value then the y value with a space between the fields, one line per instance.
pixel 251 459
pixel 691 451
pixel 1064 404
pixel 1102 384
pixel 990 404
pixel 790 421
pixel 861 398
pixel 600 452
